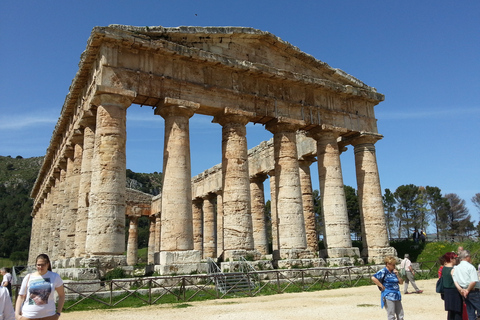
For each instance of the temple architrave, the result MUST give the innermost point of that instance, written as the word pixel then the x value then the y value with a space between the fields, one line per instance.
pixel 237 76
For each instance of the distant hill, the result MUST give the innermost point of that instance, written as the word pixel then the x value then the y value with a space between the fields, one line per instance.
pixel 17 177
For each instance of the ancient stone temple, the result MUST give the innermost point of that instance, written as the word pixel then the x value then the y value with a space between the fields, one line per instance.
pixel 237 76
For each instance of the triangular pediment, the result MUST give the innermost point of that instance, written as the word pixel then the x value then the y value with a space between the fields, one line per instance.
pixel 247 45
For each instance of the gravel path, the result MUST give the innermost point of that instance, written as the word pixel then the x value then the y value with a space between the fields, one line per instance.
pixel 350 303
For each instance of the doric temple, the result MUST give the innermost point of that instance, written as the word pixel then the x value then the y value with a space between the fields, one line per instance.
pixel 237 76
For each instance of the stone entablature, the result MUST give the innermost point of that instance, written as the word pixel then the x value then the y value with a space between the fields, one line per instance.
pixel 237 76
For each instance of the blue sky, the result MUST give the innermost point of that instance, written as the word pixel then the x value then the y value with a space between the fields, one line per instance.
pixel 424 56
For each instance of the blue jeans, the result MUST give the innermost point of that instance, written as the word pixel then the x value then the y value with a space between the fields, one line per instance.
pixel 473 304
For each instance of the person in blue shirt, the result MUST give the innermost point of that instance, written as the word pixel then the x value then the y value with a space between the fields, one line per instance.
pixel 388 280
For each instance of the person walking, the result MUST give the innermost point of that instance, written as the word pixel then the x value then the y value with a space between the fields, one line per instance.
pixel 452 298
pixel 388 280
pixel 409 274
pixel 6 307
pixel 465 278
pixel 36 296
pixel 7 279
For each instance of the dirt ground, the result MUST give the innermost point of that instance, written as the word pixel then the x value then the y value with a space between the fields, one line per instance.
pixel 350 303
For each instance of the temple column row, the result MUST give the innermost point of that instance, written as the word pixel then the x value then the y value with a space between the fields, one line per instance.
pixel 99 211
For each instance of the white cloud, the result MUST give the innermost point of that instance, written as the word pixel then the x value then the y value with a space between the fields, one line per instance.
pixel 17 122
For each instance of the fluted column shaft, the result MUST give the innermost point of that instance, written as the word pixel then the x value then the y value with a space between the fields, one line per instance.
pixel 308 205
pixel 84 188
pixel 151 240
pixel 209 229
pixel 106 216
pixel 370 193
pixel 220 236
pixel 197 225
pixel 237 217
pixel 291 224
pixel 73 184
pixel 337 231
pixel 257 194
pixel 57 244
pixel 132 244
pixel 274 215
pixel 177 225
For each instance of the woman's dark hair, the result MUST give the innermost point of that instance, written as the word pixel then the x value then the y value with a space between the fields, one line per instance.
pixel 43 256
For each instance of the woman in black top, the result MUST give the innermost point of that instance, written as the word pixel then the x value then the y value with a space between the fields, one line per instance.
pixel 453 299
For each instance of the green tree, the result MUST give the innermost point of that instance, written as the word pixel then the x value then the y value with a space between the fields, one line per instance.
pixel 458 217
pixel 438 207
pixel 353 211
pixel 476 201
pixel 407 208
pixel 389 208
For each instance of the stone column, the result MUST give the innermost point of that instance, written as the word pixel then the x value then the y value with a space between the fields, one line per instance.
pixel 209 229
pixel 57 244
pixel 132 245
pixel 84 186
pixel 338 242
pixel 374 233
pixel 197 213
pixel 48 218
pixel 238 236
pixel 106 215
pixel 73 187
pixel 257 194
pixel 308 205
pixel 291 225
pixel 220 236
pixel 177 224
pixel 151 240
pixel 158 237
pixel 274 216
pixel 36 234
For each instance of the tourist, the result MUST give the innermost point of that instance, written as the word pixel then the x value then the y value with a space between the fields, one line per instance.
pixel 416 236
pixel 6 307
pixel 388 280
pixel 423 236
pixel 452 298
pixel 7 279
pixel 409 274
pixel 466 281
pixel 40 287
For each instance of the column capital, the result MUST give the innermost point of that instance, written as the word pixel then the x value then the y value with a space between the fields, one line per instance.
pixel 113 96
pixel 323 130
pixel 176 107
pixel 233 116
pixel 306 160
pixel 282 124
pixel 364 138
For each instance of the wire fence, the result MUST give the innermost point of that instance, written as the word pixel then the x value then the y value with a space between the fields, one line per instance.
pixel 248 283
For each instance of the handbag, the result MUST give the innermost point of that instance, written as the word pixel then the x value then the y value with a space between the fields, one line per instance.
pixel 402 272
pixel 439 286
